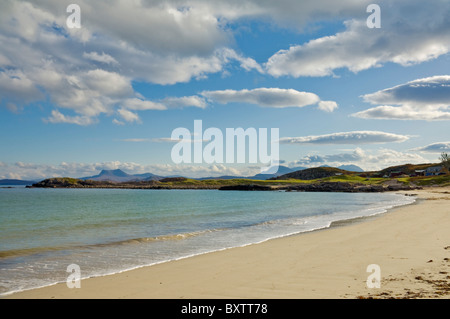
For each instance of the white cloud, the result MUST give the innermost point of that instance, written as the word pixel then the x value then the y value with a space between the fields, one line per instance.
pixel 356 137
pixel 387 112
pixel 184 101
pixel 87 93
pixel 103 58
pixel 368 160
pixel 411 33
pixel 184 140
pixel 328 106
pixel 58 117
pixel 421 99
pixel 164 140
pixel 441 147
pixel 129 116
pixel 90 70
pixel 135 140
pixel 16 85
pixel 142 105
pixel 117 122
pixel 269 97
pixel 55 62
pixel 246 63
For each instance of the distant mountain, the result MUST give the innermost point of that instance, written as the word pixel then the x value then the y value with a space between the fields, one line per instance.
pixel 15 182
pixel 351 168
pixel 117 175
pixel 281 171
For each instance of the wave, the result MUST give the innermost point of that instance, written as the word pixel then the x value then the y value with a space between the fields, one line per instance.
pixel 170 237
pixel 40 250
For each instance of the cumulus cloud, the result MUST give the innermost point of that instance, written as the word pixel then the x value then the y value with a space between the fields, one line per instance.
pixel 103 58
pixel 269 97
pixel 356 137
pixel 421 99
pixel 368 160
pixel 411 33
pixel 129 116
pixel 328 106
pixel 441 147
pixel 17 86
pixel 90 70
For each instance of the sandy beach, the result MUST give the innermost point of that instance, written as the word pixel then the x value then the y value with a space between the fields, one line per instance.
pixel 410 244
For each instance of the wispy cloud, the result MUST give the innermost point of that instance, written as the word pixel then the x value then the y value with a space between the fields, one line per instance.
pixel 356 137
pixel 171 140
pixel 136 140
pixel 58 117
pixel 441 147
pixel 269 97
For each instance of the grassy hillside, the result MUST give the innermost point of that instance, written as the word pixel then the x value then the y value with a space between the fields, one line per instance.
pixel 314 173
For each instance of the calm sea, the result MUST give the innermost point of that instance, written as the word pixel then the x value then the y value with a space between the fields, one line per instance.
pixel 106 231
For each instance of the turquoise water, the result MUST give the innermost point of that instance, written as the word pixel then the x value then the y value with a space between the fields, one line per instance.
pixel 105 231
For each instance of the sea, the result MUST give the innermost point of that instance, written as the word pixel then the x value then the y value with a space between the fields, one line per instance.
pixel 44 232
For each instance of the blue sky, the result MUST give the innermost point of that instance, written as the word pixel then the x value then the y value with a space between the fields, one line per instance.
pixel 109 94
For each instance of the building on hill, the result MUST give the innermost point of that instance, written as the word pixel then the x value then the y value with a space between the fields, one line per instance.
pixel 434 170
pixel 418 172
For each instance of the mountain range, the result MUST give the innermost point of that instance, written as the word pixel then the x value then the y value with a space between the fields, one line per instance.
pixel 117 175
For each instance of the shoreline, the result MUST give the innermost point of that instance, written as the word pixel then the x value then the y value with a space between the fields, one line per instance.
pixel 190 277
pixel 333 224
